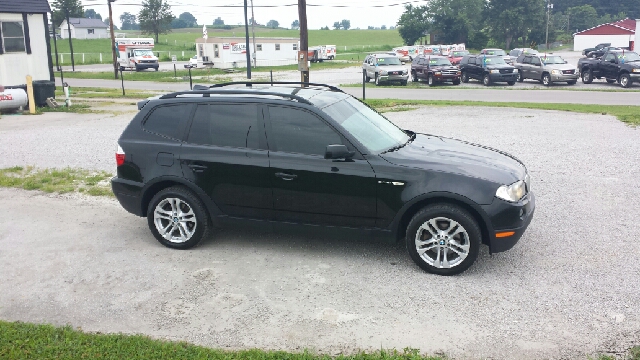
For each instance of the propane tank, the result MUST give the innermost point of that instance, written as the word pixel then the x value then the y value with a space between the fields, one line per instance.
pixel 13 99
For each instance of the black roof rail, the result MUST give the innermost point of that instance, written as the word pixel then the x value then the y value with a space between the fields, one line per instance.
pixel 249 83
pixel 206 93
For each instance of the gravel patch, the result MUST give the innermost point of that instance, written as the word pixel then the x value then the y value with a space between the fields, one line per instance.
pixel 567 290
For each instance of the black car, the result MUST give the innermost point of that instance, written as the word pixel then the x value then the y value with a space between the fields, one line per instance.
pixel 315 156
pixel 487 68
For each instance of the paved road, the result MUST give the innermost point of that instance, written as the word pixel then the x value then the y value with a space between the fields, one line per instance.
pixel 568 289
pixel 535 96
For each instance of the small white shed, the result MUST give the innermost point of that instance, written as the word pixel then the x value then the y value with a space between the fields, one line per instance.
pixel 230 52
pixel 84 29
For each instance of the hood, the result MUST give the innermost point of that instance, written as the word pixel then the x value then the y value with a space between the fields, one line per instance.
pixel 499 66
pixel 436 153
pixel 443 67
pixel 560 66
pixel 392 68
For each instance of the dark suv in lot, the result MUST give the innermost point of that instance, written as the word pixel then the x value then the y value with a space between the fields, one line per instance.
pixel 488 69
pixel 434 69
pixel 301 156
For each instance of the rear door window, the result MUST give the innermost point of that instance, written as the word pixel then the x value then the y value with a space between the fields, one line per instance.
pixel 168 121
pixel 232 125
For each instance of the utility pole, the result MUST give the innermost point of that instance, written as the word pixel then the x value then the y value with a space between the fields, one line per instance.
pixel 304 41
pixel 549 7
pixel 246 31
pixel 253 31
pixel 73 64
pixel 55 43
pixel 113 41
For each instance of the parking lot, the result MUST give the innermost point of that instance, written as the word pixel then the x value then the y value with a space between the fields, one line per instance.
pixel 567 290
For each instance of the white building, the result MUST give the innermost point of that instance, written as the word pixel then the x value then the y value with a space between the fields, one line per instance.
pixel 230 52
pixel 84 29
pixel 24 42
pixel 620 34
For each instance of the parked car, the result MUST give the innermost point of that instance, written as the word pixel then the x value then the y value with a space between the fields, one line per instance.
pixel 488 69
pixel 194 61
pixel 597 47
pixel 384 68
pixel 403 58
pixel 496 52
pixel 285 156
pixel 515 53
pixel 547 69
pixel 434 69
pixel 620 66
pixel 456 55
pixel 598 53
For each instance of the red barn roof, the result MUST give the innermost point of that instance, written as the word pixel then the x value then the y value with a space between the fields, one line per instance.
pixel 622 27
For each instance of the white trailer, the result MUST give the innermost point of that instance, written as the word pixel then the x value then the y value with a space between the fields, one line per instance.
pixel 231 52
pixel 331 52
pixel 136 54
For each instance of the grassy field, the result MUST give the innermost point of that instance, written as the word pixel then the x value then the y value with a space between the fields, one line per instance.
pixel 183 40
pixel 56 181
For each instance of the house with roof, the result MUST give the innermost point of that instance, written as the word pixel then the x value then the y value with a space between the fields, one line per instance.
pixel 24 42
pixel 620 34
pixel 82 28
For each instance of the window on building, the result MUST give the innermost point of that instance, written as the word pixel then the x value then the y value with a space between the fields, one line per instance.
pixel 259 47
pixel 216 50
pixel 12 35
pixel 277 47
pixel 90 31
pixel 295 46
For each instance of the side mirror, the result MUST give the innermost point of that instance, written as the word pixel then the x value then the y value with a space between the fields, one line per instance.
pixel 338 152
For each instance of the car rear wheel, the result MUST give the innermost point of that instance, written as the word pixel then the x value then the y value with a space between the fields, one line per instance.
pixel 511 83
pixel 546 79
pixel 414 76
pixel 625 80
pixel 587 76
pixel 177 218
pixel 520 76
pixel 443 239
pixel 465 77
pixel 431 81
pixel 486 80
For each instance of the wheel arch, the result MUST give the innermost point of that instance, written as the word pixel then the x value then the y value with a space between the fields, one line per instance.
pixel 409 210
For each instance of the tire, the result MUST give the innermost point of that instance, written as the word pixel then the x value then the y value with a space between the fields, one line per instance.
pixel 520 76
pixel 486 80
pixel 366 77
pixel 190 229
pixel 404 83
pixel 465 77
pixel 432 227
pixel 511 83
pixel 587 76
pixel 414 76
pixel 546 79
pixel 377 80
pixel 625 80
pixel 611 81
pixel 572 82
pixel 431 81
pixel 456 82
pixel 156 69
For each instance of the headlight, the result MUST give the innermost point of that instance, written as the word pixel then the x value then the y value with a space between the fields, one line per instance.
pixel 513 192
pixel 458 73
pixel 515 70
pixel 404 72
pixel 635 70
pixel 438 73
pixel 555 72
pixel 495 71
pixel 383 72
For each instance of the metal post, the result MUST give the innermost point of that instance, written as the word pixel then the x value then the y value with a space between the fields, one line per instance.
pixel 122 80
pixel 73 66
pixel 175 73
pixel 61 76
pixel 271 73
pixel 246 31
pixel 304 39
pixel 547 34
pixel 113 41
pixel 253 31
pixel 190 82
pixel 364 75
pixel 55 43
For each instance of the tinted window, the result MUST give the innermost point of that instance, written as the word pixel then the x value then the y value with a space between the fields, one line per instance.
pixel 610 57
pixel 535 61
pixel 527 60
pixel 521 59
pixel 298 131
pixel 234 125
pixel 168 120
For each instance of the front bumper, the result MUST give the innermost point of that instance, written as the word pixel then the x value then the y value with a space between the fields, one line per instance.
pixel 444 78
pixel 142 66
pixel 634 76
pixel 388 78
pixel 504 77
pixel 565 77
pixel 508 217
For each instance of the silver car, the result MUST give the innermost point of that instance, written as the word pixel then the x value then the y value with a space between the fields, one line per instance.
pixel 546 69
pixel 384 68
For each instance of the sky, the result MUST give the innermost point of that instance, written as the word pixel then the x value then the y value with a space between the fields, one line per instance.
pixel 361 13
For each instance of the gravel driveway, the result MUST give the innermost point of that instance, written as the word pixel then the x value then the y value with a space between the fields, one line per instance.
pixel 568 289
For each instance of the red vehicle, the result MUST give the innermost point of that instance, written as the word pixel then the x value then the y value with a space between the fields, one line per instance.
pixel 456 55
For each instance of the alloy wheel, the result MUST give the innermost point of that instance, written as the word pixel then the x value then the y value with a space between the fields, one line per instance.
pixel 175 220
pixel 442 242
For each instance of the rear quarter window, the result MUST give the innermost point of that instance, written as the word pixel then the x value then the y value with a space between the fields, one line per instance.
pixel 168 120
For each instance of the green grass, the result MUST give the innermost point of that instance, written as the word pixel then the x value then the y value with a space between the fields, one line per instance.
pixel 624 113
pixel 103 93
pixel 29 341
pixel 75 108
pixel 56 181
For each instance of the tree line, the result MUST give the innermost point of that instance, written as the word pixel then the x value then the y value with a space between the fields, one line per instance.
pixel 508 23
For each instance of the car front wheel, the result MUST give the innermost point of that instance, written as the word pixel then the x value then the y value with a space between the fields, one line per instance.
pixel 486 80
pixel 465 77
pixel 546 79
pixel 587 77
pixel 177 218
pixel 431 81
pixel 520 76
pixel 443 239
pixel 377 80
pixel 625 80
pixel 366 77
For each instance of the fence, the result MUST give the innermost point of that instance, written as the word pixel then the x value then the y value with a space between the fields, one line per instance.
pixel 553 45
pixel 105 58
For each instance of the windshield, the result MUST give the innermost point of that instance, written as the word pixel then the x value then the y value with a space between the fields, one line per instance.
pixel 550 60
pixel 628 56
pixel 373 130
pixel 459 53
pixel 493 60
pixel 142 53
pixel 385 61
pixel 439 62
pixel 496 52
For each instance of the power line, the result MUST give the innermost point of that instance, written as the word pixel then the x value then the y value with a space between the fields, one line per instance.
pixel 276 6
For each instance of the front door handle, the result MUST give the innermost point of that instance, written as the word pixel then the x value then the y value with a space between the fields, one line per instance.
pixel 197 168
pixel 285 176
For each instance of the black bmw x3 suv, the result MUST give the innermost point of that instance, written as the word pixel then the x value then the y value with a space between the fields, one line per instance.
pixel 314 155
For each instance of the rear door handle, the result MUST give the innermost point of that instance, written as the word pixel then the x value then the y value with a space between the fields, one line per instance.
pixel 197 168
pixel 285 176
